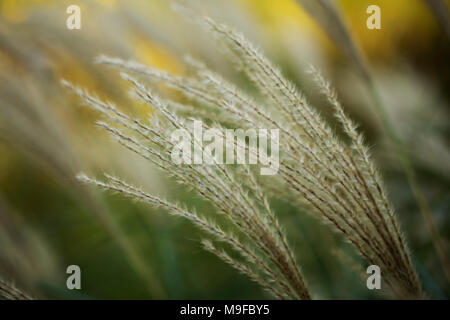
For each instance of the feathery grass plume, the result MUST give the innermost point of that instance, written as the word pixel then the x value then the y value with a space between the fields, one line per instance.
pixel 334 180
pixel 339 182
pixel 267 258
pixel 330 19
pixel 370 178
pixel 9 291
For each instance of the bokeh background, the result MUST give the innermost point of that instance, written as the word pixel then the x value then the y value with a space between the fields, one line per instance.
pixel 48 220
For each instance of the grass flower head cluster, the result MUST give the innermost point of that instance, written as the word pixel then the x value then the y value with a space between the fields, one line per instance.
pixel 334 180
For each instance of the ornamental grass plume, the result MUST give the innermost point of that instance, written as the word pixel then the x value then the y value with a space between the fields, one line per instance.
pixel 333 180
pixel 329 17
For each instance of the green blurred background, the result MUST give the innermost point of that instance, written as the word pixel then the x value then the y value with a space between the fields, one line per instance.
pixel 128 250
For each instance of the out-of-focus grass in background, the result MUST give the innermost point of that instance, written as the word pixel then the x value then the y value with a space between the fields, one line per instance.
pixel 126 250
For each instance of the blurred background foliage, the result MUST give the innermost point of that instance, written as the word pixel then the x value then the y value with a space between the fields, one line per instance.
pixel 127 250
